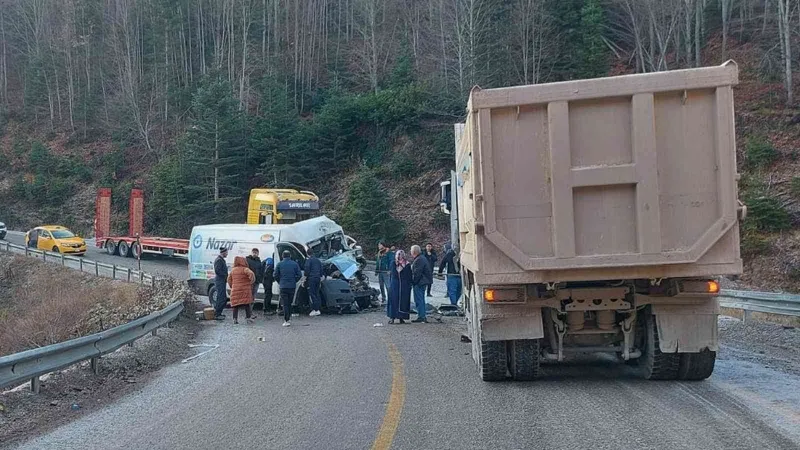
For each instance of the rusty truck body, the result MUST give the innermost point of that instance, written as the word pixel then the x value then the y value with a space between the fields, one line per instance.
pixel 595 216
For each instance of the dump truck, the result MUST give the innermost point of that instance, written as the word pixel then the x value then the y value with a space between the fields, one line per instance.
pixel 596 216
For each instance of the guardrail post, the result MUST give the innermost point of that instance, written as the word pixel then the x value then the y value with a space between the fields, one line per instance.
pixel 44 255
pixel 114 272
pixel 154 332
pixel 95 363
pixel 96 269
pixel 80 264
pixel 747 314
pixel 26 250
pixel 129 274
pixel 36 385
pixel 62 259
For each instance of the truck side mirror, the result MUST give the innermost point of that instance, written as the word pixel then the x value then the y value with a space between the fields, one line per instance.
pixel 444 201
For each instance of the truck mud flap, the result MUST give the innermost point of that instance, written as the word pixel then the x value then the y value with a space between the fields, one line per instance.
pixel 687 329
pixel 528 326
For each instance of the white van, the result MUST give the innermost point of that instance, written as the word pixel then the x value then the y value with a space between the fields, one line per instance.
pixel 322 234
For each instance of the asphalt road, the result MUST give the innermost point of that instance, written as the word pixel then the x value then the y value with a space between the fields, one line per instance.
pixel 331 382
pixel 340 382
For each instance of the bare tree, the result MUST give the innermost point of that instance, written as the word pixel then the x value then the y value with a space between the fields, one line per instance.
pixel 785 8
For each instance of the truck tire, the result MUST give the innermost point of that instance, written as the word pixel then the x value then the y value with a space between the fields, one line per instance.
pixel 655 364
pixel 697 366
pixel 524 362
pixel 494 360
pixel 124 249
pixel 111 247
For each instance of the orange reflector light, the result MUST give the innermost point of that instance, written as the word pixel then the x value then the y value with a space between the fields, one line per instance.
pixel 713 287
pixel 488 295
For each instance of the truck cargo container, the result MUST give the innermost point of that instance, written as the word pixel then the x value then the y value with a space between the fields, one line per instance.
pixel 595 216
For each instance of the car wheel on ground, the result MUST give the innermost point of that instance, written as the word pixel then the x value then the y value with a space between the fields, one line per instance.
pixel 55 249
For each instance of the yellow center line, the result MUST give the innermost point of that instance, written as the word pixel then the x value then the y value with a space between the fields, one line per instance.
pixel 394 409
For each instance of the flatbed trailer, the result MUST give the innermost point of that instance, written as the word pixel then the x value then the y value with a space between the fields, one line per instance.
pixel 134 244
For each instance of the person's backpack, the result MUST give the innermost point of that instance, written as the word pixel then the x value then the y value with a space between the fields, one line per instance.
pixel 457 260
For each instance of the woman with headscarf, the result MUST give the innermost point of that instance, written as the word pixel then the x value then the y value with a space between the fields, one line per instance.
pixel 241 281
pixel 399 288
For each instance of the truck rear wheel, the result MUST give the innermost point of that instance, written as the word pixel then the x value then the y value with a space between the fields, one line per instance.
pixel 494 360
pixel 696 366
pixel 111 247
pixel 124 249
pixel 655 364
pixel 524 361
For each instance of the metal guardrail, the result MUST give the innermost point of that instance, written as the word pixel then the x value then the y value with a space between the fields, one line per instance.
pixel 84 265
pixel 764 302
pixel 31 364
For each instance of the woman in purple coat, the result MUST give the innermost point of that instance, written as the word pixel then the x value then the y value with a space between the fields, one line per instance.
pixel 399 303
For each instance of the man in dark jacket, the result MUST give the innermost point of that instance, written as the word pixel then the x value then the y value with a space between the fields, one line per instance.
pixel 450 262
pixel 255 264
pixel 269 279
pixel 421 277
pixel 313 272
pixel 220 283
pixel 288 274
pixel 382 265
pixel 431 255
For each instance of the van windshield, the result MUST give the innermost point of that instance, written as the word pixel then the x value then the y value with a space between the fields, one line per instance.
pixel 329 246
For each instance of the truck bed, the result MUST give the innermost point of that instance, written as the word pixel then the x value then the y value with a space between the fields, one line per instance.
pixel 613 178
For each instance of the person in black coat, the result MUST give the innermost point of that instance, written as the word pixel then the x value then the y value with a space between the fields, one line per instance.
pixel 269 279
pixel 255 264
pixel 313 272
pixel 432 257
pixel 398 304
pixel 221 283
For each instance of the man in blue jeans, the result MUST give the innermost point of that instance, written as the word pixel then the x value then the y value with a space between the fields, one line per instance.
pixel 421 277
pixel 451 263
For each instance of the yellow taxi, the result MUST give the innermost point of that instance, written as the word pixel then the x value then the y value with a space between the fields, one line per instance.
pixel 55 238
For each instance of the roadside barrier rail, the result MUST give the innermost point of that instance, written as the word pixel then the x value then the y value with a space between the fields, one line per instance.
pixel 84 265
pixel 763 302
pixel 31 364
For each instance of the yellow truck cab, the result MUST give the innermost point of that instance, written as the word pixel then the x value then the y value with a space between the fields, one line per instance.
pixel 281 206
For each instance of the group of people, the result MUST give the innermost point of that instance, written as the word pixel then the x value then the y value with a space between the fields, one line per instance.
pixel 399 277
pixel 251 272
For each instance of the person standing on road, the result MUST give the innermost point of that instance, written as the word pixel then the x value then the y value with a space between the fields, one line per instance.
pixel 399 303
pixel 220 278
pixel 432 257
pixel 256 266
pixel 313 273
pixel 288 274
pixel 421 277
pixel 269 279
pixel 241 280
pixel 451 263
pixel 382 269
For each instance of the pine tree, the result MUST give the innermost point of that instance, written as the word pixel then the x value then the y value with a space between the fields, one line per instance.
pixel 216 154
pixel 593 51
pixel 368 211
